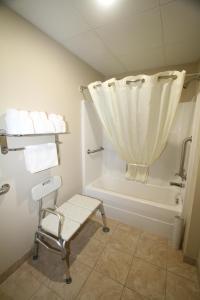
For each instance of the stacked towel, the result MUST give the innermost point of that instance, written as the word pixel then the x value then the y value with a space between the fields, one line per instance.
pixel 41 122
pixel 23 122
pixel 26 124
pixel 18 122
pixel 58 122
pixel 40 157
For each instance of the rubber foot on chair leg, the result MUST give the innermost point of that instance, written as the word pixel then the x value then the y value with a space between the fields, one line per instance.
pixel 35 257
pixel 68 280
pixel 106 229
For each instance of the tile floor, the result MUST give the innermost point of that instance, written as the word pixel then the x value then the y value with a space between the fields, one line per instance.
pixel 126 264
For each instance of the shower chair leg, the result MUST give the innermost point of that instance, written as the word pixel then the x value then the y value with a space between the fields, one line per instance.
pixel 66 254
pixel 36 248
pixel 102 211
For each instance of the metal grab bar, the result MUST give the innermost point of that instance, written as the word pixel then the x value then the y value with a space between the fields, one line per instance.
pixel 95 150
pixel 182 172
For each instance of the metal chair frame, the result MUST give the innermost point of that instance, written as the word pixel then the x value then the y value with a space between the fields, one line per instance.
pixel 63 247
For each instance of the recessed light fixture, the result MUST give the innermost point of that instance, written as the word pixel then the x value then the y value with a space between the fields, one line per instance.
pixel 106 2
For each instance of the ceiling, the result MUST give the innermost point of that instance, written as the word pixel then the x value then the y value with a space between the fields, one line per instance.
pixel 129 35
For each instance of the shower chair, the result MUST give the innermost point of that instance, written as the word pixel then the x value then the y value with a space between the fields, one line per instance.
pixel 58 225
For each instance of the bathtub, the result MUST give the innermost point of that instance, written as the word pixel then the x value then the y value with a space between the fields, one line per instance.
pixel 147 206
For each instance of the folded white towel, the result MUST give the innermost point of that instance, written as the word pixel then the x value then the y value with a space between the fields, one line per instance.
pixel 17 122
pixel 26 123
pixel 58 122
pixel 41 122
pixel 40 157
pixel 12 121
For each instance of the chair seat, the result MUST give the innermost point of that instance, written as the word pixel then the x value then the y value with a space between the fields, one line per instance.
pixel 85 202
pixel 69 227
pixel 76 211
pixel 73 212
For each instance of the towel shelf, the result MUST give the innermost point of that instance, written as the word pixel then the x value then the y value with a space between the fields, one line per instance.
pixel 4 136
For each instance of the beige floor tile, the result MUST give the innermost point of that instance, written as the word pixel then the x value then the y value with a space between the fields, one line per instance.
pixel 79 274
pixel 3 296
pixel 114 264
pixel 20 285
pixel 43 268
pixel 147 279
pixel 110 222
pixel 176 265
pixel 89 228
pixel 45 294
pixel 154 237
pixel 105 236
pixel 100 287
pixel 179 288
pixel 91 252
pixel 131 295
pixel 152 249
pixel 125 238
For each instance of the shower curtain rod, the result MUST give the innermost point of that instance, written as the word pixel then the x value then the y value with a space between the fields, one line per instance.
pixel 195 76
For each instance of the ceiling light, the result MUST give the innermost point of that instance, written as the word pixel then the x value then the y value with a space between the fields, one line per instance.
pixel 106 2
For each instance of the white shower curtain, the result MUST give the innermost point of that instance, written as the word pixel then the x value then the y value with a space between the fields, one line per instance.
pixel 137 116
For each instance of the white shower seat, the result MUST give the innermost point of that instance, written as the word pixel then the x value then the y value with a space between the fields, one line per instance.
pixel 75 212
pixel 60 224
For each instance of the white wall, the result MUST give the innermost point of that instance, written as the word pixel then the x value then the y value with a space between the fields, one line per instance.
pixel 192 207
pixel 92 138
pixel 36 73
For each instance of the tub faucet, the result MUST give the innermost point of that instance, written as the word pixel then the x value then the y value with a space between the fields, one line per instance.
pixel 181 185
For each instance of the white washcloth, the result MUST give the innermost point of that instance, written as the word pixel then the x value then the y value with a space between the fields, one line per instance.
pixel 41 122
pixel 40 157
pixel 58 122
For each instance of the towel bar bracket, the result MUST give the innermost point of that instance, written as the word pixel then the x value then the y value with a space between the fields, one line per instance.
pixel 3 144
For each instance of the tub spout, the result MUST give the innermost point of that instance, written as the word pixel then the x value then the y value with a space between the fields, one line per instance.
pixel 181 185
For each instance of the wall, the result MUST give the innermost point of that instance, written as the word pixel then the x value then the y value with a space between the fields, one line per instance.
pixel 192 237
pixel 36 74
pixel 92 138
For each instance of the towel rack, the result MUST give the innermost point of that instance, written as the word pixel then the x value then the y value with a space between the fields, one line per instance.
pixel 4 136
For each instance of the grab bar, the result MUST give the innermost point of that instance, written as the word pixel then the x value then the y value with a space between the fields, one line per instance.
pixel 182 172
pixel 95 150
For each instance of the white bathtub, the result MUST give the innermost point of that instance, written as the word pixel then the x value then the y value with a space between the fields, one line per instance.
pixel 149 207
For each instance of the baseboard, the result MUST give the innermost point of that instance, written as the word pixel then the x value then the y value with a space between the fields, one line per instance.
pixel 189 260
pixel 14 267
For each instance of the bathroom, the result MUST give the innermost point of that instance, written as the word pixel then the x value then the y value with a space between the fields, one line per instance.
pixel 50 53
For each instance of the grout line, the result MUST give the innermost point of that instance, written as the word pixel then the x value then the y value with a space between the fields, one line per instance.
pixel 183 277
pixel 92 269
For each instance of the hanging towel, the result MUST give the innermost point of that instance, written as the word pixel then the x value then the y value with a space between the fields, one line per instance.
pixel 40 157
